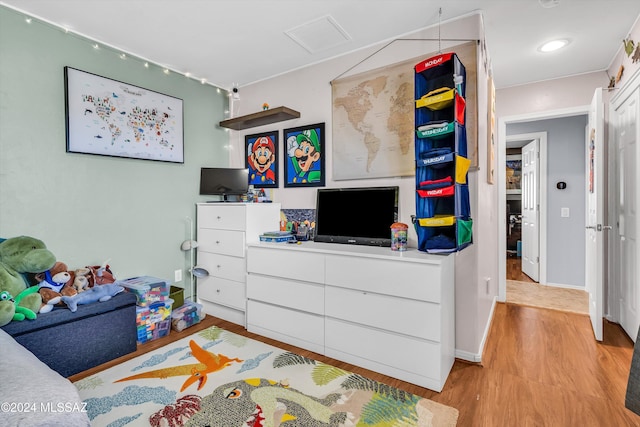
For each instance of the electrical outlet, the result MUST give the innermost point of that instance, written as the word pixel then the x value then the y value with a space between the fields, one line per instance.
pixel 178 275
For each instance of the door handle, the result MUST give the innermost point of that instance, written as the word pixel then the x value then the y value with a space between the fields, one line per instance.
pixel 598 227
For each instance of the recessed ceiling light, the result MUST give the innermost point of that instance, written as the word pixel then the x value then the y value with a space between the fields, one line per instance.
pixel 547 4
pixel 553 45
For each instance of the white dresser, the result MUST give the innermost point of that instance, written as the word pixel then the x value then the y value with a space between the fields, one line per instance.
pixel 224 229
pixel 391 312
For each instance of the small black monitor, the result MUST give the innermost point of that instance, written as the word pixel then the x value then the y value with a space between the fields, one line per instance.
pixel 223 182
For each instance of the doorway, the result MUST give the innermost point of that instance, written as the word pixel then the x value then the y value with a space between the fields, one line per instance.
pixel 577 246
pixel 526 175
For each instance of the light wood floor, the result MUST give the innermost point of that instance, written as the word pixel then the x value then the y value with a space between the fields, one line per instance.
pixel 540 368
pixel 514 270
pixel 521 289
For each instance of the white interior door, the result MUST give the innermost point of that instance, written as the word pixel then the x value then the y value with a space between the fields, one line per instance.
pixel 626 137
pixel 530 210
pixel 594 262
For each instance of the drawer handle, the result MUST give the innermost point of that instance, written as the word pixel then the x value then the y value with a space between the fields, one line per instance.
pixel 219 217
pixel 218 266
pixel 364 293
pixel 217 242
pixel 218 290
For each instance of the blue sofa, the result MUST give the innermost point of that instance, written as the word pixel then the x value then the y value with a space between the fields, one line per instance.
pixel 70 343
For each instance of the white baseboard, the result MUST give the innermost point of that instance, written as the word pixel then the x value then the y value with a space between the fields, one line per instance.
pixel 477 357
pixel 468 356
pixel 560 285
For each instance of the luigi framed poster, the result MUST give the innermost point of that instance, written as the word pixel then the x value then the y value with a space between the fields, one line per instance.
pixel 304 156
pixel 262 159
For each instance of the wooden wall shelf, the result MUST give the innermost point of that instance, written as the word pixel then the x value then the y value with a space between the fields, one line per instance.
pixel 260 118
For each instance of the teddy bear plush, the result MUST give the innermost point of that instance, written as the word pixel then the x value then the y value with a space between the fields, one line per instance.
pixel 54 284
pixel 18 255
pixel 60 282
pixel 81 279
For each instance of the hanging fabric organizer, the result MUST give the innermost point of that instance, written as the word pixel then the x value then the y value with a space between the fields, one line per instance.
pixel 442 219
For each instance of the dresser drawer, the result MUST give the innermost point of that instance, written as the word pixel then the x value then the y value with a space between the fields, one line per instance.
pixel 291 326
pixel 408 354
pixel 288 264
pixel 409 317
pixel 221 216
pixel 223 266
pixel 222 291
pixel 301 296
pixel 226 242
pixel 404 279
pixel 223 312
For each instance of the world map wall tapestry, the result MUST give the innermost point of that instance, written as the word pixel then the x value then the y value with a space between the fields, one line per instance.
pixel 112 118
pixel 373 119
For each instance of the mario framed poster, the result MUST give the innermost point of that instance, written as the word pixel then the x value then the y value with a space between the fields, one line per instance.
pixel 262 159
pixel 304 156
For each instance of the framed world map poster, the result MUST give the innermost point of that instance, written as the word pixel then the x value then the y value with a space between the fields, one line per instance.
pixel 112 118
pixel 373 119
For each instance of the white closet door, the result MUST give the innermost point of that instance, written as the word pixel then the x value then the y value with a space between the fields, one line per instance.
pixel 530 211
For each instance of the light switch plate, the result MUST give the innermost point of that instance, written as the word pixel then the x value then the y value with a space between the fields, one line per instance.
pixel 564 212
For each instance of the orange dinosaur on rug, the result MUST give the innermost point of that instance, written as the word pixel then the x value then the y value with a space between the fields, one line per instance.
pixel 208 363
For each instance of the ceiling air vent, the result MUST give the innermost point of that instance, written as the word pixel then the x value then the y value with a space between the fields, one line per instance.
pixel 547 4
pixel 318 35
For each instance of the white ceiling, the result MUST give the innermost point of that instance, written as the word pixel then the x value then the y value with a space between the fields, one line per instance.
pixel 238 42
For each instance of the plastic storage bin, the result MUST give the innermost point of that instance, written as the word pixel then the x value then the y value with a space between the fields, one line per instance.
pixel 153 321
pixel 148 289
pixel 399 236
pixel 187 315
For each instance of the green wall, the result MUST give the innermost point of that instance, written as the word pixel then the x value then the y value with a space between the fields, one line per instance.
pixel 88 208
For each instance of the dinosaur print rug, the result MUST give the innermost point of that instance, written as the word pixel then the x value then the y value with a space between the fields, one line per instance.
pixel 220 379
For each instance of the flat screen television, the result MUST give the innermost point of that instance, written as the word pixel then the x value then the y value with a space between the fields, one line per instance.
pixel 360 216
pixel 224 182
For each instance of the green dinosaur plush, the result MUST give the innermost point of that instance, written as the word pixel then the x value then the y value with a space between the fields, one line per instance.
pixel 21 312
pixel 19 255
